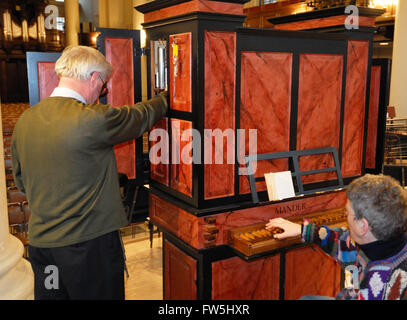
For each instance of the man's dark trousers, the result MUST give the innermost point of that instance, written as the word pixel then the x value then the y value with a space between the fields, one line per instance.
pixel 90 270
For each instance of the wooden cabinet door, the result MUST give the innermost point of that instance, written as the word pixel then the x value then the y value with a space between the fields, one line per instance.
pixel 42 79
pixel 309 270
pixel 237 279
pixel 180 274
pixel 122 49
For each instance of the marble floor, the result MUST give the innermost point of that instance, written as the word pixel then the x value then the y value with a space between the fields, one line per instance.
pixel 144 264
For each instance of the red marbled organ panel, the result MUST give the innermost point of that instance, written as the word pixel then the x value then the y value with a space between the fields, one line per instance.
pixel 237 279
pixel 355 104
pixel 176 220
pixel 265 106
pixel 47 79
pixel 181 71
pixel 119 52
pixel 220 70
pixel 159 152
pixel 181 160
pixel 179 274
pixel 309 270
pixel 319 109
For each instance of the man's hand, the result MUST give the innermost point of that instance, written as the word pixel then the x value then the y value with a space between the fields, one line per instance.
pixel 166 96
pixel 291 229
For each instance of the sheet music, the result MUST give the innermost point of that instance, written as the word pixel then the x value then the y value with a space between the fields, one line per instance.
pixel 279 185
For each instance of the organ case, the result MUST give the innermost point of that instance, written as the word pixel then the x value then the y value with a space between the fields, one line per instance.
pixel 297 91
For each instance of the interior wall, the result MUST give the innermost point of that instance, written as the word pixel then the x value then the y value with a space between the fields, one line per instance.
pixel 116 14
pixel 398 92
pixel 89 12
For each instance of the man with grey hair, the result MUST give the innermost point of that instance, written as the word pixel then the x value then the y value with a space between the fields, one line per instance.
pixel 375 244
pixel 63 160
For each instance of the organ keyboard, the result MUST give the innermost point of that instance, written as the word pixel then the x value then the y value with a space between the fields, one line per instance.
pixel 255 239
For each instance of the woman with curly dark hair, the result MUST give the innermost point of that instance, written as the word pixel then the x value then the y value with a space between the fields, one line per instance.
pixel 374 246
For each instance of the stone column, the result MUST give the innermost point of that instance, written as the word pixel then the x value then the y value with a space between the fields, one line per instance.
pixel 16 275
pixel 72 27
pixel 24 30
pixel 7 26
pixel 398 92
pixel 42 35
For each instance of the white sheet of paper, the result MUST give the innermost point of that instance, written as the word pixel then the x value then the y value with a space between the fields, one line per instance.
pixel 284 185
pixel 269 177
pixel 279 185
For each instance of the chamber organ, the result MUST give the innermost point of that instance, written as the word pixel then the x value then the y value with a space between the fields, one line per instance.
pixel 279 90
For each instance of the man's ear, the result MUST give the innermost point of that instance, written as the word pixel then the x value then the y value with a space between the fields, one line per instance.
pixel 363 225
pixel 94 78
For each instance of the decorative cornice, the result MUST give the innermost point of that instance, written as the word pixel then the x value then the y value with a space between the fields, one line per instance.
pixel 324 13
pixel 239 19
pixel 161 4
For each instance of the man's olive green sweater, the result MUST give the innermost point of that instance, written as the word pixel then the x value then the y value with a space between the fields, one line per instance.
pixel 63 159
